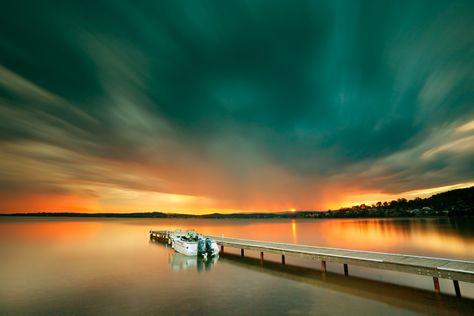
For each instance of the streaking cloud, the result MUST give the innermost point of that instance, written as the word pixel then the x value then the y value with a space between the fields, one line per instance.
pixel 196 107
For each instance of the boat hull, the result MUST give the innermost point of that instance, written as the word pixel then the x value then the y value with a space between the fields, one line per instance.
pixel 185 248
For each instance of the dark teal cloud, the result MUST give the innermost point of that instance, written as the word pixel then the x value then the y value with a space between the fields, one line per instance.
pixel 319 88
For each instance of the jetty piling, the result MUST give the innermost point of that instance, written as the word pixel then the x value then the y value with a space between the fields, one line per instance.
pixel 457 289
pixel 323 266
pixel 346 269
pixel 436 285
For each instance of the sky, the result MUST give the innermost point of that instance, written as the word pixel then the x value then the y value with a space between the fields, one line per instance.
pixel 203 106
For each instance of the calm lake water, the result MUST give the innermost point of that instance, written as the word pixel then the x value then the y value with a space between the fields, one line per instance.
pixel 109 266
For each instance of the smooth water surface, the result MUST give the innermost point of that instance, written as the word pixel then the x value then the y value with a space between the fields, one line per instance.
pixel 109 266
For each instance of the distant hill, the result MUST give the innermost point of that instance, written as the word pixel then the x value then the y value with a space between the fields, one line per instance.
pixel 459 202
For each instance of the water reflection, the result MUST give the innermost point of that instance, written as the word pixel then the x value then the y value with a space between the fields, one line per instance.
pixel 44 229
pixel 179 262
pixel 294 235
pixel 433 237
pixel 438 237
pixel 106 266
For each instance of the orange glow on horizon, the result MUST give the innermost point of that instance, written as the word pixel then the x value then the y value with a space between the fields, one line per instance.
pixel 114 200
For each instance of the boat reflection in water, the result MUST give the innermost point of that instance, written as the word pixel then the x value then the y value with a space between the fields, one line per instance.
pixel 180 262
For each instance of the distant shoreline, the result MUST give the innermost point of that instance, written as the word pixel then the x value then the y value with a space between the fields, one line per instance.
pixel 296 215
pixel 454 203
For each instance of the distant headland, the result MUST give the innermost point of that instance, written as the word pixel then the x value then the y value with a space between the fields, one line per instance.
pixel 454 203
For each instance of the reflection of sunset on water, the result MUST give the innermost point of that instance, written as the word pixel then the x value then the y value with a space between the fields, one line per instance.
pixel 419 236
pixel 96 251
pixel 397 236
pixel 293 231
pixel 51 230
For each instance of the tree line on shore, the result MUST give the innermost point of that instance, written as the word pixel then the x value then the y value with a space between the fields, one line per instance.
pixel 459 202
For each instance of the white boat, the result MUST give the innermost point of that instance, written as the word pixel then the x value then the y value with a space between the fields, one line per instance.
pixel 177 234
pixel 192 244
pixel 186 245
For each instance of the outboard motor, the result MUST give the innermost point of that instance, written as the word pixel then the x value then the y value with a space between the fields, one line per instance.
pixel 201 249
pixel 209 248
pixel 215 248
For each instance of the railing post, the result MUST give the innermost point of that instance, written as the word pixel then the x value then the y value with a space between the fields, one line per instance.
pixel 323 266
pixel 261 257
pixel 436 285
pixel 222 248
pixel 282 259
pixel 456 288
pixel 346 269
pixel 241 252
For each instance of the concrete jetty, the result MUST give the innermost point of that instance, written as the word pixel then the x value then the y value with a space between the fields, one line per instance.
pixel 436 268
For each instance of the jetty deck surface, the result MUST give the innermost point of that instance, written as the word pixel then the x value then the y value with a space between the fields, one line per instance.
pixel 460 270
